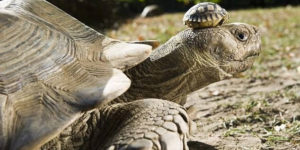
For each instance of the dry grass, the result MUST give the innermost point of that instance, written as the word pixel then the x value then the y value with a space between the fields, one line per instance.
pixel 262 109
pixel 280 28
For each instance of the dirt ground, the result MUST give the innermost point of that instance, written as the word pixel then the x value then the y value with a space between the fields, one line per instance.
pixel 258 109
pixel 255 113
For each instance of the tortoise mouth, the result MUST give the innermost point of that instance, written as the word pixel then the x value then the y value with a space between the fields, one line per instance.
pixel 249 56
pixel 237 66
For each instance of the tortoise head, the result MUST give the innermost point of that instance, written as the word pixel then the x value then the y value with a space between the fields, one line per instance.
pixel 227 49
pixel 193 59
pixel 234 47
pixel 218 52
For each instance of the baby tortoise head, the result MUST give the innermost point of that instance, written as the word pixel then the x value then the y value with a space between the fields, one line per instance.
pixel 205 15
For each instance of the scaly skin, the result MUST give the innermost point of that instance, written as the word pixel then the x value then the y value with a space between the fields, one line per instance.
pixel 188 61
pixel 58 77
pixel 152 123
pixel 191 60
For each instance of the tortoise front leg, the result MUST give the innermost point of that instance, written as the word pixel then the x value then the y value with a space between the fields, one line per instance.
pixel 148 124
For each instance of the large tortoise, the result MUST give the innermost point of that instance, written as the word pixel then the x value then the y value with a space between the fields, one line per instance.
pixel 59 81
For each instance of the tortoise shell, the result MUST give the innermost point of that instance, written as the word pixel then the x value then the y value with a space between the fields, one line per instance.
pixel 205 15
pixel 54 68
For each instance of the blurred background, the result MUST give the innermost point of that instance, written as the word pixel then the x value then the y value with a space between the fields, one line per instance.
pixel 107 13
pixel 258 109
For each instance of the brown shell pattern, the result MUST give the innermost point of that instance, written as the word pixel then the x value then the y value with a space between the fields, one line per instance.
pixel 205 15
pixel 52 69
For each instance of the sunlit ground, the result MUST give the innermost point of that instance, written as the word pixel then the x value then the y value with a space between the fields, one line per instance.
pixel 270 117
pixel 280 28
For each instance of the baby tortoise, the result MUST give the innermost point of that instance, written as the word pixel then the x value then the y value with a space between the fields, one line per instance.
pixel 205 15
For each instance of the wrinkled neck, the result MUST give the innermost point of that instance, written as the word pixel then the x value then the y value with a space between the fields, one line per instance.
pixel 170 73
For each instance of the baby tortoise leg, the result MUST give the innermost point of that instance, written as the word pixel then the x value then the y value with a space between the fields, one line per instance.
pixel 147 124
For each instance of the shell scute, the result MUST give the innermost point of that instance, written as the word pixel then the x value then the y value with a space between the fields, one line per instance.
pixel 205 15
pixel 52 69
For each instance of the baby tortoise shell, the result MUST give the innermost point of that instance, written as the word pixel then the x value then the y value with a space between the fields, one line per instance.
pixel 205 15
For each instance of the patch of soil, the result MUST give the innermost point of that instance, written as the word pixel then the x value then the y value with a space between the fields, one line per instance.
pixel 255 113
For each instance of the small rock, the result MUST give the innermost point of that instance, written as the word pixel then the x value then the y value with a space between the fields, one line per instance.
pixel 280 128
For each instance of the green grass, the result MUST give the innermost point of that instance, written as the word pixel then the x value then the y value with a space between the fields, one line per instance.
pixel 280 28
pixel 267 122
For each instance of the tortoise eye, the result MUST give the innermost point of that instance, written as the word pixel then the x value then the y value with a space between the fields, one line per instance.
pixel 242 36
